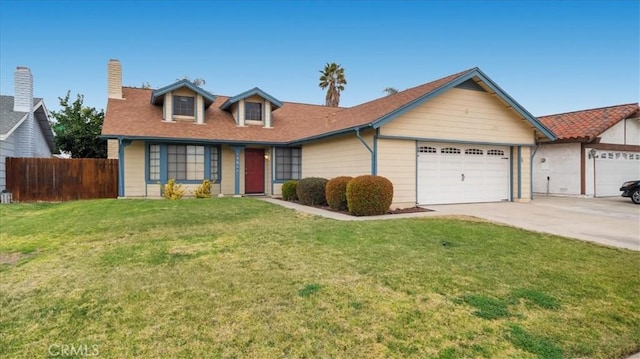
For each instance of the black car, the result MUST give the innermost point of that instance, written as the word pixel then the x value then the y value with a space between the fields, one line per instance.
pixel 631 189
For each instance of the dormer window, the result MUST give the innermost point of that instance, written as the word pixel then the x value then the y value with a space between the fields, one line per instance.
pixel 184 106
pixel 252 111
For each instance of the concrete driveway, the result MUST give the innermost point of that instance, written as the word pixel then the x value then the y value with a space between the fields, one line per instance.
pixel 613 221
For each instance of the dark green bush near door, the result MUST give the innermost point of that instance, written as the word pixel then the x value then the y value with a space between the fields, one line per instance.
pixel 289 190
pixel 311 190
pixel 369 195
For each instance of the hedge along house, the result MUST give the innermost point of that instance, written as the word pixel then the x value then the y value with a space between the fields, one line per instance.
pixel 457 139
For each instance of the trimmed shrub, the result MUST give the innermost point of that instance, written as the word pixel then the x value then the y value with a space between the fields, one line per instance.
pixel 369 195
pixel 310 191
pixel 203 190
pixel 173 190
pixel 289 190
pixel 336 193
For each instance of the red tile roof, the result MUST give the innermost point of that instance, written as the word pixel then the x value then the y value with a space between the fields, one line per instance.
pixel 135 116
pixel 585 125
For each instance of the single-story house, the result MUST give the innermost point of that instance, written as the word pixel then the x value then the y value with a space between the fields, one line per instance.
pixel 596 150
pixel 25 130
pixel 457 139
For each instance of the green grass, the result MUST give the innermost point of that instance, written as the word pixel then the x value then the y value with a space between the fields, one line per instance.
pixel 237 277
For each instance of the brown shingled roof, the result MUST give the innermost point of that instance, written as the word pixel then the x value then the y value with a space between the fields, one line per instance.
pixel 135 116
pixel 586 125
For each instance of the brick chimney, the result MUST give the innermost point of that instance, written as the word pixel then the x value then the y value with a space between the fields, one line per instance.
pixel 23 102
pixel 23 90
pixel 114 79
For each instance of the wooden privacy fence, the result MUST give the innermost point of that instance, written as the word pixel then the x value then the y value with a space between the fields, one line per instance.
pixel 54 179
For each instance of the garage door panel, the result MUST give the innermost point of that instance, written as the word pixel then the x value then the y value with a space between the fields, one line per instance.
pixel 612 169
pixel 462 173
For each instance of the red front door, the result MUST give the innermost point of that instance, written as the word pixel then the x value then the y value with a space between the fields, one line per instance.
pixel 253 170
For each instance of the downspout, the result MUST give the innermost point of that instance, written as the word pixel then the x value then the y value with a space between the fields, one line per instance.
pixel 535 149
pixel 373 159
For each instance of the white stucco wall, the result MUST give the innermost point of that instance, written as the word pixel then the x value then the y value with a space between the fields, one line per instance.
pixel 561 165
pixel 626 132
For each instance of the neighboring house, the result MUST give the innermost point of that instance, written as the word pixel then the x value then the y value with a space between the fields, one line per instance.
pixel 457 139
pixel 596 151
pixel 24 124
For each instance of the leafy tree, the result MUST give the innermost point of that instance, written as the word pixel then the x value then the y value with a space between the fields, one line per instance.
pixel 390 91
pixel 332 78
pixel 198 82
pixel 77 129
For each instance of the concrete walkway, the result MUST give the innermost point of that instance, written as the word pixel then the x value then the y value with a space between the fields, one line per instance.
pixel 610 221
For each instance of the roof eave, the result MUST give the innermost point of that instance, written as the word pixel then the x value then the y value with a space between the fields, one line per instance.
pixel 475 72
pixel 192 140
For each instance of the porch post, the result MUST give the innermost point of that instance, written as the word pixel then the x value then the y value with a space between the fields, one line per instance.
pixel 122 143
pixel 236 150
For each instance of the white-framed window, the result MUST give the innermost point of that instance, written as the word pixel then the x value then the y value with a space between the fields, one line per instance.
pixel 154 162
pixel 185 162
pixel 495 152
pixel 215 164
pixel 252 111
pixel 184 105
pixel 288 163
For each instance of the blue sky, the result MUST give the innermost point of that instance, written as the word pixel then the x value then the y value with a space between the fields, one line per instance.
pixel 550 56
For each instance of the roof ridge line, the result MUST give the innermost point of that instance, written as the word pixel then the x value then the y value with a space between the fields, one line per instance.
pixel 590 109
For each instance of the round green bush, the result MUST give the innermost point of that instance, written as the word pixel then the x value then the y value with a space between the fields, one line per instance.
pixel 369 195
pixel 310 191
pixel 289 190
pixel 336 193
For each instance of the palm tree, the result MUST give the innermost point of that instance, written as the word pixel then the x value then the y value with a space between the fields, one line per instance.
pixel 332 77
pixel 390 91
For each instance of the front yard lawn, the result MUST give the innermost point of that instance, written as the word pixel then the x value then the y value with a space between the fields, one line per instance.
pixel 238 277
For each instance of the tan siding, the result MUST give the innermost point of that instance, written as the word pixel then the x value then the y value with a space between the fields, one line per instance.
pixel 112 149
pixel 199 109
pixel 267 114
pixel 168 107
pixel 255 98
pixel 234 112
pixel 397 162
pixel 182 92
pixel 228 171
pixel 342 156
pixel 153 190
pixel 462 115
pixel 241 113
pixel 134 179
pixel 277 190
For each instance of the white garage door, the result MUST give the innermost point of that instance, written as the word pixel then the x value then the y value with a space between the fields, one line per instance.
pixel 449 173
pixel 613 168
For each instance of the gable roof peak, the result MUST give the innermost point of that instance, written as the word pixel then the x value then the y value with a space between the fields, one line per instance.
pixel 254 91
pixel 158 95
